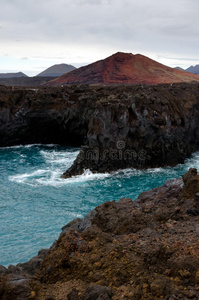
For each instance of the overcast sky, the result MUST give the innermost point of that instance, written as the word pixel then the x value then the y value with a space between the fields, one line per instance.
pixel 35 35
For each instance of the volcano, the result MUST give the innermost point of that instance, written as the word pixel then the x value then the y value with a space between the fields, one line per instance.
pixel 56 70
pixel 124 68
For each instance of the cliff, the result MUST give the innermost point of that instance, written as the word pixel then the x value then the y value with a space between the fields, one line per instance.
pixel 115 124
pixel 144 249
pixel 124 132
pixel 124 68
pixel 44 115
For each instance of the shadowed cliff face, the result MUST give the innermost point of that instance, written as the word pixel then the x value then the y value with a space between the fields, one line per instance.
pixel 124 131
pixel 44 115
pixel 116 124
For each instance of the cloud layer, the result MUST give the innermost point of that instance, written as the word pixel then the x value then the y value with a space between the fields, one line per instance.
pixel 82 31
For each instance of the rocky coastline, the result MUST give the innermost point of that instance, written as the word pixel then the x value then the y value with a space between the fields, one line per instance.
pixel 141 127
pixel 115 125
pixel 142 249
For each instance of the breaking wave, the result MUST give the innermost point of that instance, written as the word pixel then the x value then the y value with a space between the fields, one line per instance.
pixel 35 202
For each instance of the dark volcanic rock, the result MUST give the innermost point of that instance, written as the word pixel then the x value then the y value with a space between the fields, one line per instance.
pixel 44 116
pixel 73 295
pixel 146 249
pixel 191 184
pixel 123 132
pixel 16 287
pixel 116 124
pixel 97 292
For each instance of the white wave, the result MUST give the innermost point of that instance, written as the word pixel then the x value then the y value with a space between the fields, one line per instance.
pixel 58 161
pixel 76 215
pixel 64 158
pixel 53 178
pixel 56 181
pixel 21 178
pixel 86 176
pixel 193 161
pixel 40 145
pixel 127 172
pixel 58 154
pixel 12 147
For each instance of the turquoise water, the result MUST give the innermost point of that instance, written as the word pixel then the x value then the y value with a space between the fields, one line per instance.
pixel 35 202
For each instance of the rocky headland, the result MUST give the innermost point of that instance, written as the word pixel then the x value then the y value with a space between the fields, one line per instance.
pixel 142 249
pixel 137 126
pixel 140 127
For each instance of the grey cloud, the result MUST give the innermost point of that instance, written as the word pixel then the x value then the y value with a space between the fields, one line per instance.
pixel 48 57
pixel 60 19
pixel 93 2
pixel 179 58
pixel 159 26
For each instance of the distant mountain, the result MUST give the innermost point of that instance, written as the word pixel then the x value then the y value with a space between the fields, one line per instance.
pixel 193 69
pixel 12 75
pixel 124 68
pixel 57 70
pixel 179 68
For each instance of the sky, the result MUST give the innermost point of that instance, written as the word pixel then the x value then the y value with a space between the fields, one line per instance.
pixel 35 35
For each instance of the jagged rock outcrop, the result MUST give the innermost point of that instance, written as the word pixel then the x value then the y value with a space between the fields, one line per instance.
pixel 115 124
pixel 124 131
pixel 124 68
pixel 144 249
pixel 45 115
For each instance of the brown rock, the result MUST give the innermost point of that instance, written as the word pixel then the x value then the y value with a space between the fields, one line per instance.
pixel 191 184
pixel 97 292
pixel 125 252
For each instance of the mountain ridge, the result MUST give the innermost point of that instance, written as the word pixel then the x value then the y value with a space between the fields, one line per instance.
pixel 12 75
pixel 193 69
pixel 57 70
pixel 124 68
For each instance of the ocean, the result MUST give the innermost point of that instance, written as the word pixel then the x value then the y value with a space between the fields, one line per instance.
pixel 35 202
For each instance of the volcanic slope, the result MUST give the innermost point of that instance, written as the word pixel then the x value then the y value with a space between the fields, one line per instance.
pixel 124 68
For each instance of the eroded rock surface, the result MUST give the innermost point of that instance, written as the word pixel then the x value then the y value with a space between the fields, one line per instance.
pixel 124 132
pixel 116 125
pixel 45 115
pixel 142 249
